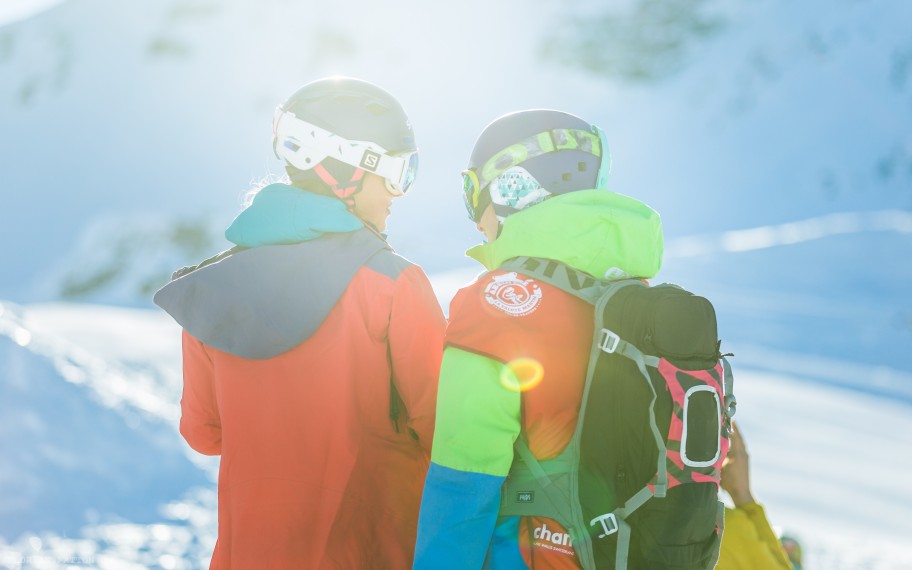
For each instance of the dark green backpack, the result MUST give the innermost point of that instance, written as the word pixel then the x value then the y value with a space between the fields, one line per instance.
pixel 637 486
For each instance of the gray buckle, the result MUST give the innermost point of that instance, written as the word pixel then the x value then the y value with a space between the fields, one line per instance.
pixel 606 528
pixel 608 341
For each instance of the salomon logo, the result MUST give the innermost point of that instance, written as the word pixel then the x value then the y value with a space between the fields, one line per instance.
pixel 525 497
pixel 370 160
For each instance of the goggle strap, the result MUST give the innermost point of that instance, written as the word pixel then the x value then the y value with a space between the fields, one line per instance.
pixel 538 145
pixel 307 137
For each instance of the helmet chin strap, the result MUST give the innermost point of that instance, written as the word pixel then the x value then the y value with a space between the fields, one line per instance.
pixel 345 191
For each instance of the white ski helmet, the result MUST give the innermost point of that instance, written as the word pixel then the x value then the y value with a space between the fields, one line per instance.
pixel 351 121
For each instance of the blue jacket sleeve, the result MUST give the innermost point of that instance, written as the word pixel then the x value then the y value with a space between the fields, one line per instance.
pixel 477 422
pixel 504 553
pixel 458 512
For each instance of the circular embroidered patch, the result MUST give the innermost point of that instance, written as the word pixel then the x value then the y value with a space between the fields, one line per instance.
pixel 512 295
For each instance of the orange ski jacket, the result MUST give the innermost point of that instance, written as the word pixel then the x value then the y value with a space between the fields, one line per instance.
pixel 296 359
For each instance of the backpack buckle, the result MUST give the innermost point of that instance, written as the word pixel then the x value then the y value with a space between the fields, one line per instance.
pixel 608 529
pixel 608 341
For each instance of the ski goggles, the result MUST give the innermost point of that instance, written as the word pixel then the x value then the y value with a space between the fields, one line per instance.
pixel 305 145
pixel 397 170
pixel 476 180
pixel 475 199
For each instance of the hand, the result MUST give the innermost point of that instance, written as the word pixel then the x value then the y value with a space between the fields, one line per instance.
pixel 736 471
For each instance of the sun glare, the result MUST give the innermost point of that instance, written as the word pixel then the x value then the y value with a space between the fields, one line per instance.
pixel 522 374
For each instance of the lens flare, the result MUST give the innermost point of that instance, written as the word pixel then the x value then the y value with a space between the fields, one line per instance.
pixel 522 374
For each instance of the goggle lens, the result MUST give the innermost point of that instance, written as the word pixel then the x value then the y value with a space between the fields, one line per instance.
pixel 411 173
pixel 402 186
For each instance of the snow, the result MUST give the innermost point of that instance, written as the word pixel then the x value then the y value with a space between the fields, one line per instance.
pixel 793 232
pixel 826 462
pixel 94 471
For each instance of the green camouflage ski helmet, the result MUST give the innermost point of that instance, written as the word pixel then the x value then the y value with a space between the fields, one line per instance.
pixel 522 158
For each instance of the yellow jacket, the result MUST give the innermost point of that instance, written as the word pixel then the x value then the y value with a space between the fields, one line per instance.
pixel 748 542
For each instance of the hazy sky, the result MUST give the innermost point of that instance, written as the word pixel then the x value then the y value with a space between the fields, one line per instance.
pixel 12 10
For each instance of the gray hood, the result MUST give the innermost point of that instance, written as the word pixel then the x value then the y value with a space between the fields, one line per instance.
pixel 259 303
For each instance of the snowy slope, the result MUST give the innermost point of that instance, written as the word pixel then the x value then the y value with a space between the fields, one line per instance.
pixel 824 462
pixel 93 468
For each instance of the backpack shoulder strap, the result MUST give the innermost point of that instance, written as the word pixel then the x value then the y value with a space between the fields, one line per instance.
pixel 560 275
pixel 552 484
